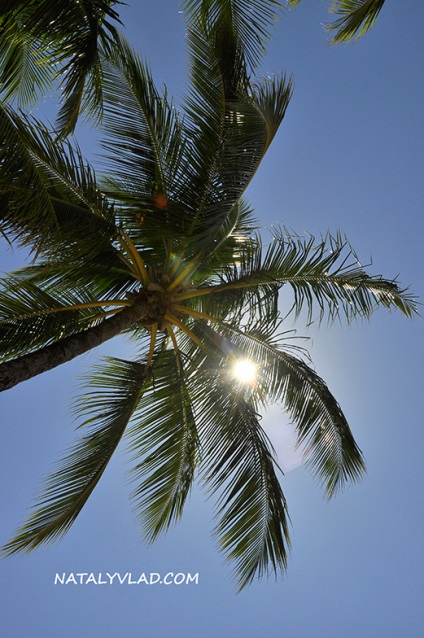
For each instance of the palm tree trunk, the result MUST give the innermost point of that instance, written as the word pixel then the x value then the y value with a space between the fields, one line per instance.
pixel 30 365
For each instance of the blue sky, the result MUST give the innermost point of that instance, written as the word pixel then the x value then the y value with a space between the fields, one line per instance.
pixel 348 156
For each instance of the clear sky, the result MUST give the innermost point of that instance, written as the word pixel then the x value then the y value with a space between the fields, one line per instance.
pixel 349 156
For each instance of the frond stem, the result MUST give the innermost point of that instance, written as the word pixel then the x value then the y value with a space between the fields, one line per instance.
pixel 186 272
pixel 134 256
pixel 172 319
pixel 195 313
pixel 152 345
pixel 81 306
pixel 176 348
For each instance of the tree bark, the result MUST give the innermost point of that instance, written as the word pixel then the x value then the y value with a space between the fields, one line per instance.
pixel 30 365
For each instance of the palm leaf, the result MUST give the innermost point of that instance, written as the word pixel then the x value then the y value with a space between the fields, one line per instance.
pixel 326 276
pixel 231 125
pixel 34 316
pixel 31 211
pixel 238 463
pixel 357 17
pixel 251 22
pixel 96 277
pixel 323 432
pixel 69 35
pixel 50 195
pixel 284 377
pixel 251 125
pixel 144 149
pixel 116 389
pixel 237 229
pixel 330 275
pixel 25 64
pixel 164 432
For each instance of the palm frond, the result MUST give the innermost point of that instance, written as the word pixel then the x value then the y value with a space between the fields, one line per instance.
pixel 144 148
pixel 357 17
pixel 239 227
pixel 218 90
pixel 272 97
pixel 329 447
pixel 66 38
pixel 116 390
pixel 26 68
pixel 164 436
pixel 326 277
pixel 250 126
pixel 96 277
pixel 34 316
pixel 49 191
pixel 329 275
pixel 232 125
pixel 238 464
pixel 250 21
pixel 285 377
pixel 31 211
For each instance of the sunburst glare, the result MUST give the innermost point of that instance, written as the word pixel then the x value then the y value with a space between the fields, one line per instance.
pixel 245 371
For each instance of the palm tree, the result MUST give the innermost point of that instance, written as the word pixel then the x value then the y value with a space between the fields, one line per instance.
pixel 165 248
pixel 47 45
pixel 356 17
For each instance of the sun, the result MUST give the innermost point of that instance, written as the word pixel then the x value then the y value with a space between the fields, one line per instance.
pixel 245 371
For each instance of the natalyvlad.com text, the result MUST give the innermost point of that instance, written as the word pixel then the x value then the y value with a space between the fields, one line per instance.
pixel 127 578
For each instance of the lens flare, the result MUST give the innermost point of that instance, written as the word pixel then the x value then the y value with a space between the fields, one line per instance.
pixel 245 371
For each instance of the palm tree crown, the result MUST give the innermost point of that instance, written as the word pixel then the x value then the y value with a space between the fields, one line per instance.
pixel 164 247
